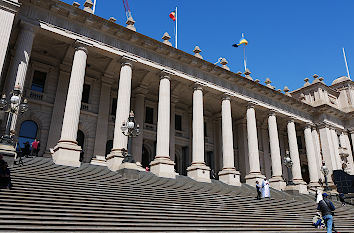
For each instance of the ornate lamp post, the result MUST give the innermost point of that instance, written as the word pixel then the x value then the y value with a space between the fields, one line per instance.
pixel 325 171
pixel 130 129
pixel 7 142
pixel 289 163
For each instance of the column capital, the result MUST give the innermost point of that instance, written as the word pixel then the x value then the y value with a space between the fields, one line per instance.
pixel 166 74
pixel 28 26
pixel 128 61
pixel 251 104
pixel 198 86
pixel 309 125
pixel 291 119
pixel 226 96
pixel 82 45
pixel 272 112
pixel 351 130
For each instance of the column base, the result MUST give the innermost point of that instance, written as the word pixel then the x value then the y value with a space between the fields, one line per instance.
pixel 114 159
pixel 253 177
pixel 163 167
pixel 99 160
pixel 277 183
pixel 67 153
pixel 230 176
pixel 199 172
pixel 131 166
pixel 299 185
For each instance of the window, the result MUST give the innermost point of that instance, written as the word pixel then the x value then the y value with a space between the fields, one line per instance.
pixel 149 115
pixel 109 146
pixel 28 132
pixel 299 142
pixel 178 122
pixel 205 130
pixel 86 93
pixel 114 107
pixel 339 143
pixel 38 81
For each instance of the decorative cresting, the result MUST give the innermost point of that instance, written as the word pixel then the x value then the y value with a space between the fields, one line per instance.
pixel 311 157
pixel 67 152
pixel 300 185
pixel 115 158
pixel 197 52
pixel 162 165
pixel 228 175
pixel 248 74
pixel 252 141
pixel 198 170
pixel 166 39
pixel 276 181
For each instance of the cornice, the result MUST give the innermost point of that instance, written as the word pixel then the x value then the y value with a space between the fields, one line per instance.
pixel 138 39
pixel 10 6
pixel 329 89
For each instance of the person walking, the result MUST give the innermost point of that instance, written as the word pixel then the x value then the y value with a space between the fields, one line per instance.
pixel 265 188
pixel 35 147
pixel 5 176
pixel 342 198
pixel 326 207
pixel 258 187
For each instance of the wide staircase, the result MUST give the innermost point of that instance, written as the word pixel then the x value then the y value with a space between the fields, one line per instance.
pixel 51 198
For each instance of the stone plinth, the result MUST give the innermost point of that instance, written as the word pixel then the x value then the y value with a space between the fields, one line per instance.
pixel 199 172
pixel 230 177
pixel 277 183
pixel 99 160
pixel 163 167
pixel 67 153
pixel 253 177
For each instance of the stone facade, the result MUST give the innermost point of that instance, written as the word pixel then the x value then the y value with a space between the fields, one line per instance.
pixel 82 75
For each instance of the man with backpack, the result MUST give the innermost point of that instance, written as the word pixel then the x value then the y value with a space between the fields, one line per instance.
pixel 326 207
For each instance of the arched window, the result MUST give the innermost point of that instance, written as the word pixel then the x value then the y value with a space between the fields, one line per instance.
pixel 28 132
pixel 109 146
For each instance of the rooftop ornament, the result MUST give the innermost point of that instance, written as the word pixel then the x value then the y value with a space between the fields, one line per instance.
pixel 197 52
pixel 88 6
pixel 307 83
pixel 166 37
pixel 130 24
pixel 112 19
pixel 248 74
pixel 224 62
pixel 76 4
pixel 268 82
pixel 257 81
pixel 315 76
pixel 286 90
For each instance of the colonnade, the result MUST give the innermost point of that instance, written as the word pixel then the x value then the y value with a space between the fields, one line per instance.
pixel 67 152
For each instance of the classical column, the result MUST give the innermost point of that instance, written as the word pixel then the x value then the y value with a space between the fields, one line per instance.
pixel 276 181
pixel 8 9
pixel 162 165
pixel 344 141
pixel 103 116
pixel 198 170
pixel 317 145
pixel 115 158
pixel 228 175
pixel 67 152
pixel 20 61
pixel 294 154
pixel 327 150
pixel 336 149
pixel 58 108
pixel 311 157
pixel 252 141
pixel 139 110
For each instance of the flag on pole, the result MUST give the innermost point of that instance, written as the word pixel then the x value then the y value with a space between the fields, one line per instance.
pixel 173 15
pixel 242 41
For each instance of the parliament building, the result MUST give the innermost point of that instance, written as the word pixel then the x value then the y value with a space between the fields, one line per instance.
pixel 82 75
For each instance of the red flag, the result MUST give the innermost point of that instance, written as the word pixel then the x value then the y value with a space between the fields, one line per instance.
pixel 173 15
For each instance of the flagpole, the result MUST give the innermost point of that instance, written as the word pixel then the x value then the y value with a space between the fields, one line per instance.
pixel 346 64
pixel 176 28
pixel 94 7
pixel 244 57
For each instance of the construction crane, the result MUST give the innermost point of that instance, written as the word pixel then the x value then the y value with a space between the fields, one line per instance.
pixel 127 9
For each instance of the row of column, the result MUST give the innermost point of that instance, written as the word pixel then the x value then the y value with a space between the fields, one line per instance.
pixel 67 152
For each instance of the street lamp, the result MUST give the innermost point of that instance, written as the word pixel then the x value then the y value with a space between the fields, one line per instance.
pixel 7 142
pixel 289 163
pixel 325 171
pixel 130 129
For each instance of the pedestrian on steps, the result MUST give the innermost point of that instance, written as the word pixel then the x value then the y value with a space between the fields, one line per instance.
pixel 265 188
pixel 5 176
pixel 326 207
pixel 35 147
pixel 258 187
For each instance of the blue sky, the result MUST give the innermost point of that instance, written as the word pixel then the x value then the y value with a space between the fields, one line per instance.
pixel 288 40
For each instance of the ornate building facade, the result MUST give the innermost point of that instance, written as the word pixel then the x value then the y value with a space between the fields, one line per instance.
pixel 82 75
